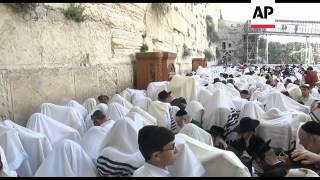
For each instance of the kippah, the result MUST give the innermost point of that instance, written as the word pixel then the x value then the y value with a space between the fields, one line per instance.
pixel 311 127
pixel 181 112
pixel 98 115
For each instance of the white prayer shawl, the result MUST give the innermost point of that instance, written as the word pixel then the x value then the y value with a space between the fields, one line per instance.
pixel 310 100
pixel 298 118
pixel 102 107
pixel 217 108
pixel 160 111
pixel 251 109
pixel 154 88
pixel 184 86
pixel 67 159
pixel 238 102
pixel 120 155
pixel 80 108
pixel 315 93
pixel 278 100
pixel 242 84
pixel 141 101
pixel 197 133
pixel 280 87
pixel 36 145
pixel 276 126
pixel 122 101
pixel 195 109
pixel 116 111
pixel 203 96
pixel 139 120
pixel 13 149
pixel 295 92
pixel 290 85
pixel 92 140
pixel 217 162
pixel 65 115
pixel 108 124
pixel 148 117
pixel 126 95
pixel 301 172
pixel 90 104
pixel 6 172
pixel 232 91
pixel 54 130
pixel 187 164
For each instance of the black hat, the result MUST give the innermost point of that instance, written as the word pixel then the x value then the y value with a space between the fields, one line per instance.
pixel 216 131
pixel 152 139
pixel 258 148
pixel 247 124
pixel 181 112
pixel 311 127
pixel 163 95
pixel 98 115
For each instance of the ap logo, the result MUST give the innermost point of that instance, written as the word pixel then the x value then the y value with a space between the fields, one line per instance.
pixel 263 15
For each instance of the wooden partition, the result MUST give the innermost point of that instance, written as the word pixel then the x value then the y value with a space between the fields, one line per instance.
pixel 153 67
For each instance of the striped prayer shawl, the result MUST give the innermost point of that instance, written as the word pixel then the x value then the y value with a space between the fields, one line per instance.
pixel 173 124
pixel 232 123
pixel 109 168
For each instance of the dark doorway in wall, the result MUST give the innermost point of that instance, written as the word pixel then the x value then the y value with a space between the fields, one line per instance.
pixel 223 45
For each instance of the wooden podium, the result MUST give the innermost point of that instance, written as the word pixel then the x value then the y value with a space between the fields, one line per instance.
pixel 153 67
pixel 196 62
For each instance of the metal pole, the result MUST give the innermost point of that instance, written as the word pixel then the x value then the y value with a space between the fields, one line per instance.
pixel 266 49
pixel 257 54
pixel 247 49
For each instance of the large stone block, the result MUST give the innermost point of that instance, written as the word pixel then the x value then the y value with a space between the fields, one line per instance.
pixel 86 83
pixel 31 88
pixel 5 97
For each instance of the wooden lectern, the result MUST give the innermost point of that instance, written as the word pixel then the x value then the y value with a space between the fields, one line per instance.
pixel 153 67
pixel 196 62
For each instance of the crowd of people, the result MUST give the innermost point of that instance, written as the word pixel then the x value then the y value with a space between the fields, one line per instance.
pixel 243 110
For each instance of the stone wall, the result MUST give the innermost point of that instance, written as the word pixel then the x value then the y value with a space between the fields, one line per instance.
pixel 46 57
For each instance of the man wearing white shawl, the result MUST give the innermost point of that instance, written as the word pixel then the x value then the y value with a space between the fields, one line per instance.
pixel 154 88
pixel 12 147
pixel 217 162
pixel 116 111
pixel 306 97
pixel 67 159
pixel 4 168
pixel 92 140
pixel 157 146
pixel 100 119
pixel 90 104
pixel 278 100
pixel 120 155
pixel 102 107
pixel 54 130
pixel 197 133
pixel 35 144
pixel 66 115
pixel 122 101
pixel 276 125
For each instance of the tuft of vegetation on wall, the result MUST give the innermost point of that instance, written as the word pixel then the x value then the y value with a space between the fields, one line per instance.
pixel 75 12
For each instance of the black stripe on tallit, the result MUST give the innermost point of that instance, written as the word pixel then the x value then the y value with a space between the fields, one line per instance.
pixel 116 163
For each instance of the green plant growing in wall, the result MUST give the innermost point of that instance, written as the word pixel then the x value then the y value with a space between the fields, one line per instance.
pixel 75 12
pixel 144 47
pixel 22 7
pixel 186 51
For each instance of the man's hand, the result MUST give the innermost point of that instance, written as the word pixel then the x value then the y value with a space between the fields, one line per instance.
pixel 219 140
pixel 306 156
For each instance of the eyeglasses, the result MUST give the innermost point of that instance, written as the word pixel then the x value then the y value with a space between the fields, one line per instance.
pixel 171 147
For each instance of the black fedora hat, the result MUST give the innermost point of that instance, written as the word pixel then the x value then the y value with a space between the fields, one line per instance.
pixel 247 124
pixel 163 95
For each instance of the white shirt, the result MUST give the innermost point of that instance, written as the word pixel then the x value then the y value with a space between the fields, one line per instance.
pixel 149 170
